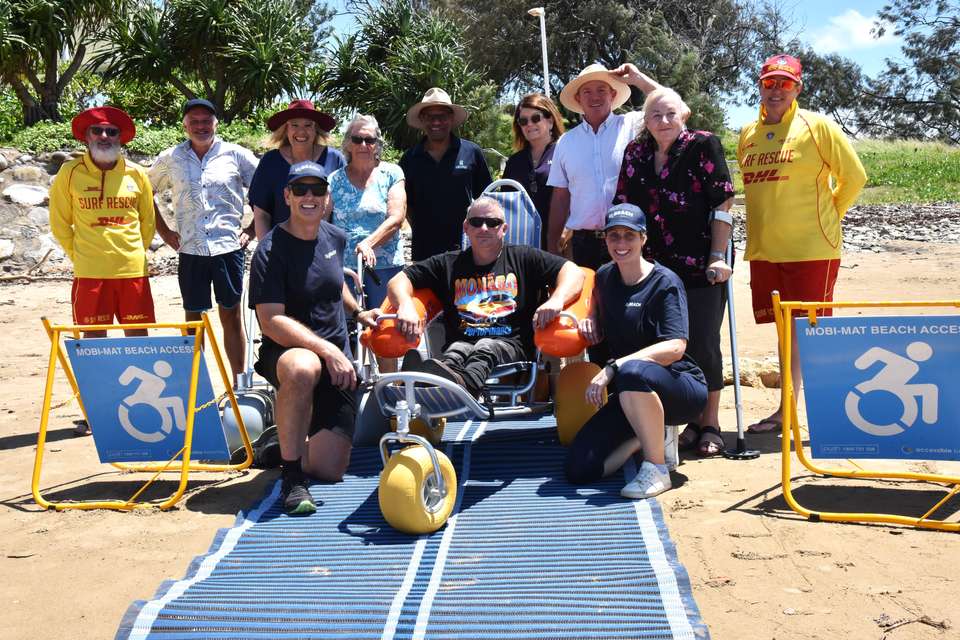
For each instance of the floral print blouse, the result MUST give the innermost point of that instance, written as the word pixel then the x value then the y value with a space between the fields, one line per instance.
pixel 679 200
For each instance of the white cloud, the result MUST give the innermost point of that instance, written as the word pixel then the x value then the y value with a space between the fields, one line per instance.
pixel 849 31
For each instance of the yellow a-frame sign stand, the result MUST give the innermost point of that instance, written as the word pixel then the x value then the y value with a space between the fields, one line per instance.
pixel 201 331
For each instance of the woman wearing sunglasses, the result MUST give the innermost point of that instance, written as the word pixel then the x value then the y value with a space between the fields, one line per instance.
pixel 800 175
pixel 370 204
pixel 680 179
pixel 537 125
pixel 298 133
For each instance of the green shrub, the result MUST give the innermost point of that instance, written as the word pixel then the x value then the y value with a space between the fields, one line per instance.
pixel 11 114
pixel 44 137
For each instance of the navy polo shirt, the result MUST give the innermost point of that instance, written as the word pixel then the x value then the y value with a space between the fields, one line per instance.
pixel 438 194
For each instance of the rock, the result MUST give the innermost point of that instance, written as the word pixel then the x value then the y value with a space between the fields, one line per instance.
pixel 39 216
pixel 156 243
pixel 25 158
pixel 29 173
pixel 57 158
pixel 755 373
pixel 26 194
pixel 6 248
pixel 3 163
pixel 46 243
pixel 29 231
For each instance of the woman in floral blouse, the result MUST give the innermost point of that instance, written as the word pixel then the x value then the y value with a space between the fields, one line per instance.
pixel 681 180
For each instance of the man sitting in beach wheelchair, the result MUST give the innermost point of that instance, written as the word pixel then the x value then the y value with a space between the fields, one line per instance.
pixel 492 295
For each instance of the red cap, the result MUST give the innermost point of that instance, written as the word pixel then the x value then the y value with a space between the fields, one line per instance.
pixel 782 65
pixel 302 109
pixel 104 115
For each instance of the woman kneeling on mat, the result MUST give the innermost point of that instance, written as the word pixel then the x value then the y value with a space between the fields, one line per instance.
pixel 641 309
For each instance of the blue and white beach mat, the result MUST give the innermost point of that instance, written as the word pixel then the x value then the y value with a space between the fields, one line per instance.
pixel 524 556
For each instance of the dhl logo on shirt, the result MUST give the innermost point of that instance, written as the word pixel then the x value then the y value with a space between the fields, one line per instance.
pixel 110 221
pixel 765 175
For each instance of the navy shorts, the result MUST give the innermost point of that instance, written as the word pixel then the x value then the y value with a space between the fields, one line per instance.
pixel 196 273
pixel 334 409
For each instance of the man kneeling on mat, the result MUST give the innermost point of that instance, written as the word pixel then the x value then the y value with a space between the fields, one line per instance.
pixel 297 288
pixel 491 295
pixel 639 309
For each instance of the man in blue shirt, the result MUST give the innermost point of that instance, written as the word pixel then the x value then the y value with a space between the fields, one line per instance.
pixel 207 177
pixel 444 174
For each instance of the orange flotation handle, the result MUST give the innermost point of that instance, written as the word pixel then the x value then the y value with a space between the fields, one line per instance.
pixel 386 340
pixel 561 338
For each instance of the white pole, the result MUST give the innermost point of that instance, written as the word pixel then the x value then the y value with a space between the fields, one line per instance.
pixel 539 12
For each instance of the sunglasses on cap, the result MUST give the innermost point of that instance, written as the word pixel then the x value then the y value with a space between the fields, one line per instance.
pixel 535 118
pixel 363 140
pixel 782 83
pixel 492 223
pixel 301 188
pixel 97 130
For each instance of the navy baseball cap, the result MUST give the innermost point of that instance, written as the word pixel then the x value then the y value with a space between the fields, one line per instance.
pixel 199 102
pixel 626 215
pixel 306 169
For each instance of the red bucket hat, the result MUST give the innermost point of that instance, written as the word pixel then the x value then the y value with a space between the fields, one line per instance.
pixel 302 109
pixel 782 65
pixel 104 115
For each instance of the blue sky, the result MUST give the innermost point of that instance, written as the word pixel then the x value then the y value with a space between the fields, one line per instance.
pixel 830 26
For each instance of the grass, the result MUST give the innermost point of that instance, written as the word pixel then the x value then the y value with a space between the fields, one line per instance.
pixel 900 171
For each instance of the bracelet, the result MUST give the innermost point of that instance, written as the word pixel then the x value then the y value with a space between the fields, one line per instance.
pixel 723 216
pixel 355 314
pixel 612 363
pixel 719 255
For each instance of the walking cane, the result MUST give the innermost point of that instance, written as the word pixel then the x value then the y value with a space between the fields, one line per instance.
pixel 741 452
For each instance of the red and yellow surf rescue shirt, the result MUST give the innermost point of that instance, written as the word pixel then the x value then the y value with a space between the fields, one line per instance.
pixel 800 176
pixel 104 220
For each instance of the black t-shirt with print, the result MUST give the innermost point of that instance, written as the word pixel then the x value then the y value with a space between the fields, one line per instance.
pixel 633 317
pixel 497 300
pixel 306 277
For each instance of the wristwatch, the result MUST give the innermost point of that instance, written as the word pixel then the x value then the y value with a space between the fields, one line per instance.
pixel 355 314
pixel 612 363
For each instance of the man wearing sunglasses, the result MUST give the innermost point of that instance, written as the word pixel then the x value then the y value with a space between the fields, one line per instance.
pixel 102 214
pixel 298 291
pixel 800 175
pixel 493 297
pixel 207 177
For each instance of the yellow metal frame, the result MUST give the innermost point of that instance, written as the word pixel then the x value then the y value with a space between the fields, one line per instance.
pixel 202 330
pixel 783 312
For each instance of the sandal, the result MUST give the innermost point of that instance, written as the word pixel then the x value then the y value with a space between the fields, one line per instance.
pixel 690 437
pixel 711 442
pixel 766 425
pixel 81 428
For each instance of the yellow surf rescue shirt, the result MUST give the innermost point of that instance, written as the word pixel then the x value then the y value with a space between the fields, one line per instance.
pixel 799 176
pixel 104 220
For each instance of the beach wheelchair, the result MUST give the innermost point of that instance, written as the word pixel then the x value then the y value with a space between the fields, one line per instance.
pixel 417 489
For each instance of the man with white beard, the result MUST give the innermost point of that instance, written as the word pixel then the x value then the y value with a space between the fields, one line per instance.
pixel 102 214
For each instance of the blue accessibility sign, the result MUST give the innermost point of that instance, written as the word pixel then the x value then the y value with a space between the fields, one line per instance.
pixel 882 387
pixel 135 392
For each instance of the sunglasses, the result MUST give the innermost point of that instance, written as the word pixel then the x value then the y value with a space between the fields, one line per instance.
pixel 362 140
pixel 783 83
pixel 535 118
pixel 301 188
pixel 492 223
pixel 97 130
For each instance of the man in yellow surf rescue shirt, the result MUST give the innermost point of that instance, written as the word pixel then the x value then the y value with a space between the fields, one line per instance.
pixel 800 175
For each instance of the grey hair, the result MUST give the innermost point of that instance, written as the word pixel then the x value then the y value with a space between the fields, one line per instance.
pixel 361 121
pixel 666 92
pixel 485 201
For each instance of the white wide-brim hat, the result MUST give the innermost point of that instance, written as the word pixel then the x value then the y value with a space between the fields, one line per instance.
pixel 568 97
pixel 435 97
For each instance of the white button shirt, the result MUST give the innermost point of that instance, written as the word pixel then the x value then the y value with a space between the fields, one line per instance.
pixel 208 194
pixel 588 164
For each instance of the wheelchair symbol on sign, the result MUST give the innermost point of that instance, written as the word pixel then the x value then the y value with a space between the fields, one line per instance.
pixel 894 378
pixel 152 386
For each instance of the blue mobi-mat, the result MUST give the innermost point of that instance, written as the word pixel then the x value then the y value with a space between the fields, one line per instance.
pixel 525 555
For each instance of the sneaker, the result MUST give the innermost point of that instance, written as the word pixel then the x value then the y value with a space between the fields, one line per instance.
pixel 296 496
pixel 266 450
pixel 411 361
pixel 648 483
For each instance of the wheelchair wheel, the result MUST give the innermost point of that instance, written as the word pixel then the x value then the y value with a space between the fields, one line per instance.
pixel 571 407
pixel 406 495
pixel 370 423
pixel 256 410
pixel 431 429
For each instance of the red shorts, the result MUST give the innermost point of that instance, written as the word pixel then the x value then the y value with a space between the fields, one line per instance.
pixel 98 300
pixel 807 281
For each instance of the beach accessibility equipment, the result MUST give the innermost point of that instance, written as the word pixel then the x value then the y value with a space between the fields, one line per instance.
pixel 876 387
pixel 149 402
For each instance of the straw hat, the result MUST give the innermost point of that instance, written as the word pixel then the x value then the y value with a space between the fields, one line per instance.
pixel 435 97
pixel 568 97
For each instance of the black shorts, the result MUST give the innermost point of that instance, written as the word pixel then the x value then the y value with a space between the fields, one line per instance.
pixel 196 273
pixel 334 409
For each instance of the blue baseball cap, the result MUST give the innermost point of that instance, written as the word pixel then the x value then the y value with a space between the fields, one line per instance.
pixel 199 102
pixel 306 169
pixel 626 215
